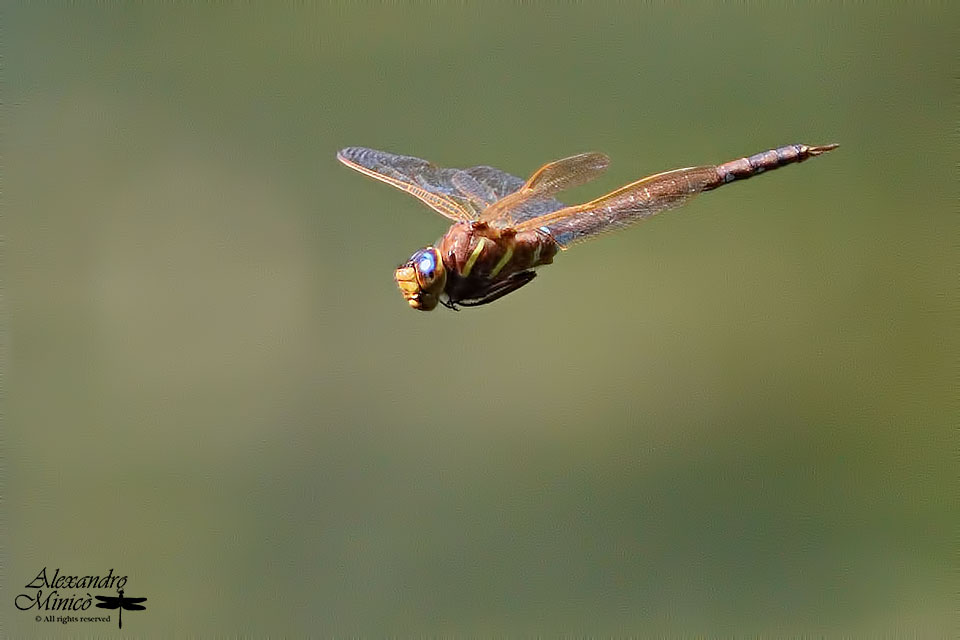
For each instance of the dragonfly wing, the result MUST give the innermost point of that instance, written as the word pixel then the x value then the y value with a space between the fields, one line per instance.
pixel 133 607
pixel 476 192
pixel 500 183
pixel 545 182
pixel 421 179
pixel 566 173
pixel 625 206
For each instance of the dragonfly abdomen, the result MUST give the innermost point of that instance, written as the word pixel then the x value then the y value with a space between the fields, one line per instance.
pixel 767 161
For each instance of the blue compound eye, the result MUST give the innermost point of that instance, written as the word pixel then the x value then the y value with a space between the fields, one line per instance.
pixel 426 263
pixel 430 273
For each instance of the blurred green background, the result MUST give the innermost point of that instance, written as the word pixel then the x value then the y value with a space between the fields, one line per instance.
pixel 732 419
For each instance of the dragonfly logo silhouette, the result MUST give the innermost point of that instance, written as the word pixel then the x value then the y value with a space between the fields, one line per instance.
pixel 119 602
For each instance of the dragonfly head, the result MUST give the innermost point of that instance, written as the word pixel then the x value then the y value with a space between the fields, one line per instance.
pixel 422 278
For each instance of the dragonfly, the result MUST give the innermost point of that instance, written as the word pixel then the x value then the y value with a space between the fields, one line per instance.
pixel 505 227
pixel 120 602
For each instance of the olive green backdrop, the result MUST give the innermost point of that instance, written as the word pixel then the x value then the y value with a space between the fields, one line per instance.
pixel 732 419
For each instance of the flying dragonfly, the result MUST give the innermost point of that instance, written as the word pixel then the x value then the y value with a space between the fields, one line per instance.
pixel 505 227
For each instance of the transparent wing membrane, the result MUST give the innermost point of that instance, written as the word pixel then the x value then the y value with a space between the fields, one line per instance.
pixel 458 194
pixel 566 173
pixel 419 178
pixel 547 181
pixel 625 206
pixel 500 183
pixel 474 190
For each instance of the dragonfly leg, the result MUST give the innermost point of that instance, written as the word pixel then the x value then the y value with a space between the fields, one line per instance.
pixel 500 289
pixel 449 304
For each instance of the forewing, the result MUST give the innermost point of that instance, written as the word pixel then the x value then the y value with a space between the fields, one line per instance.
pixel 499 183
pixel 478 193
pixel 421 179
pixel 529 200
pixel 625 206
pixel 566 173
pixel 502 184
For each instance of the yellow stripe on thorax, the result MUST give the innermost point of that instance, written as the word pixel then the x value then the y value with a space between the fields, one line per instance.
pixel 503 261
pixel 467 268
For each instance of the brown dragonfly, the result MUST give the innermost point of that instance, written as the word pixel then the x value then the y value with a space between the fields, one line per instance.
pixel 505 227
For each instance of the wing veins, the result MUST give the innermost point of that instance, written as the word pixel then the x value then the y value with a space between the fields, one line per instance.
pixel 441 204
pixel 624 206
pixel 547 181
